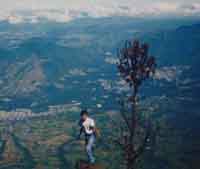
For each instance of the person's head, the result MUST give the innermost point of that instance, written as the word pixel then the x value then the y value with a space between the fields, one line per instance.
pixel 84 114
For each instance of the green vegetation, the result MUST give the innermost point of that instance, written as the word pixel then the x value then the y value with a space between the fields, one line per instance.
pixel 26 157
pixel 49 143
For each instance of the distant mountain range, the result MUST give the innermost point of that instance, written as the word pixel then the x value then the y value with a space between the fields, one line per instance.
pixel 38 63
pixel 179 46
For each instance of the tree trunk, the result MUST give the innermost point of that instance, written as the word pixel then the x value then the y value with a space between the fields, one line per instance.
pixel 131 148
pixel 131 164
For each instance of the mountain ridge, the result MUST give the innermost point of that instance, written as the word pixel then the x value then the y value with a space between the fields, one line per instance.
pixel 44 66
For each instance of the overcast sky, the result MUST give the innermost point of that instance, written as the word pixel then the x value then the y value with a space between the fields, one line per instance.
pixel 98 8
pixel 41 4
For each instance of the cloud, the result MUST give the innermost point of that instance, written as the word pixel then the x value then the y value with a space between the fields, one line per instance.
pixel 191 8
pixel 170 74
pixel 66 10
pixel 111 60
pixel 166 7
pixel 77 72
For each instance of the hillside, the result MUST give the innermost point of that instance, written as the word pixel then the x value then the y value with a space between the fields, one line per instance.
pixel 72 66
pixel 45 65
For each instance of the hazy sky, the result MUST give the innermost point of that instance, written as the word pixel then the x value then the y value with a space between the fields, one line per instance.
pixel 98 8
pixel 41 4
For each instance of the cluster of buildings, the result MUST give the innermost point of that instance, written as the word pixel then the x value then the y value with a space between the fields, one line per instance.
pixel 15 115
pixel 22 114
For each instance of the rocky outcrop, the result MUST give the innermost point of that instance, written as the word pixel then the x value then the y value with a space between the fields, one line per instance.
pixel 85 165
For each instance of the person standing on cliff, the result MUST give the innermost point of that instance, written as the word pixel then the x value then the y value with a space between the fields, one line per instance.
pixel 87 125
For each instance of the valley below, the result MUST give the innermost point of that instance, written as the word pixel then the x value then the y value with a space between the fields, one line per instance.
pixel 50 71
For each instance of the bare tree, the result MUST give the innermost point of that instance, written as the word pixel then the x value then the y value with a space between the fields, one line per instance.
pixel 135 66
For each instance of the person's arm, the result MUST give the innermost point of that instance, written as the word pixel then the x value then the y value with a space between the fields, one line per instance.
pixel 92 126
pixel 80 132
pixel 81 129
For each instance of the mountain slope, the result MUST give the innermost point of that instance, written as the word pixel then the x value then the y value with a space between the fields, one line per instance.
pixel 58 62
